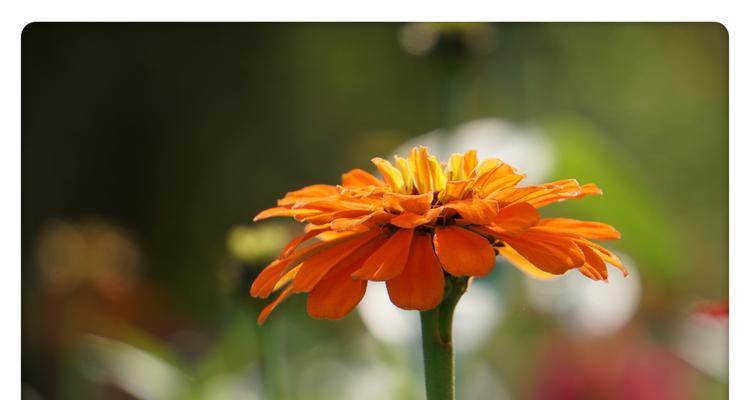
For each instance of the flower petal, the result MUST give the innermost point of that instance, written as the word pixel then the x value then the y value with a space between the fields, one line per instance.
pixel 387 261
pixel 463 253
pixel 474 211
pixel 284 212
pixel 337 293
pixel 607 256
pixel 559 191
pixel 587 229
pixel 361 223
pixel 420 286
pixel 594 261
pixel 391 174
pixel 552 253
pixel 591 273
pixel 470 162
pixel 455 190
pixel 403 165
pixel 454 168
pixel 291 246
pixel 309 192
pixel 317 266
pixel 419 165
pixel 288 277
pixel 516 218
pixel 437 175
pixel 271 306
pixel 360 178
pixel 523 264
pixel 409 220
pixel 266 281
pixel 495 175
pixel 327 217
pixel 414 203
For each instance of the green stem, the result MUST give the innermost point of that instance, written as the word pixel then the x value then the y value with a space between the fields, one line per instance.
pixel 437 342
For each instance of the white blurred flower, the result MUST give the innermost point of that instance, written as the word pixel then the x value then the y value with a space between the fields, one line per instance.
pixel 703 341
pixel 478 313
pixel 374 382
pixel 484 383
pixel 385 321
pixel 587 307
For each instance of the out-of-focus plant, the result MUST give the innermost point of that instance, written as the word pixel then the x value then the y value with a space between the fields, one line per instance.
pixel 149 368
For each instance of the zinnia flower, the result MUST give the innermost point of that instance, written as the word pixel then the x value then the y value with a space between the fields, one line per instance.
pixel 424 220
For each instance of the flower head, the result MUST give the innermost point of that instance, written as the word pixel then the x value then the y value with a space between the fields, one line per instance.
pixel 424 220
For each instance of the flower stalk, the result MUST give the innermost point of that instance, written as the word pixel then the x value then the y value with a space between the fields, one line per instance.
pixel 437 342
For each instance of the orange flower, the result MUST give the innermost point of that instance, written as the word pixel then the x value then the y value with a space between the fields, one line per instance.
pixel 422 221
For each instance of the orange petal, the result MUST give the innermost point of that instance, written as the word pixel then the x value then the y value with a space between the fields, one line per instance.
pixel 420 286
pixel 474 211
pixel 463 253
pixel 360 178
pixel 523 264
pixel 361 223
pixel 591 273
pixel 284 212
pixel 587 229
pixel 552 253
pixel 291 246
pixel 409 220
pixel 414 203
pixel 327 217
pixel 318 265
pixel 495 175
pixel 514 194
pixel 309 192
pixel 607 256
pixel 388 260
pixel 538 193
pixel 368 193
pixel 288 277
pixel 391 174
pixel 594 261
pixel 470 162
pixel 563 190
pixel 336 204
pixel 270 307
pixel 455 190
pixel 516 218
pixel 332 235
pixel 265 282
pixel 337 293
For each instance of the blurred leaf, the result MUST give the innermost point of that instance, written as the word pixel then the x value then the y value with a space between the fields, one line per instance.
pixel 630 201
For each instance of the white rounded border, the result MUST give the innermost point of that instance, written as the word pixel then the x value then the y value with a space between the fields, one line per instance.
pixel 17 14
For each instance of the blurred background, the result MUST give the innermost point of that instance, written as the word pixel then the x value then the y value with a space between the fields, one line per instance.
pixel 148 148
